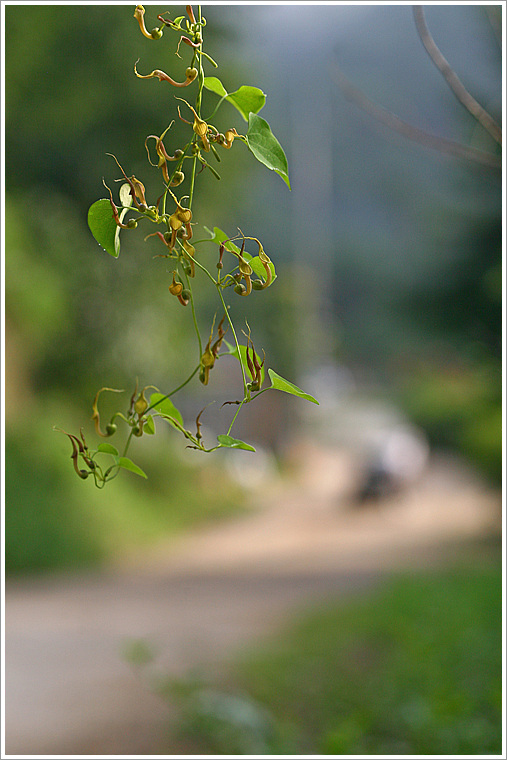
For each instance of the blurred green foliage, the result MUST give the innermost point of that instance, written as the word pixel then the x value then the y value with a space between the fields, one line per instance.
pixel 52 522
pixel 76 319
pixel 455 388
pixel 460 406
pixel 412 669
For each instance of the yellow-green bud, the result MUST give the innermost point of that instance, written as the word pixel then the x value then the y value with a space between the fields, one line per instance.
pixel 141 405
pixel 177 179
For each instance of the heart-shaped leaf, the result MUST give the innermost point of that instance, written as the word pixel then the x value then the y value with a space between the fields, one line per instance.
pixel 103 226
pixel 265 147
pixel 165 407
pixel 107 448
pixel 246 99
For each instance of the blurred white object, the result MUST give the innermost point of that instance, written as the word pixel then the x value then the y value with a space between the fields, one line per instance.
pixel 395 460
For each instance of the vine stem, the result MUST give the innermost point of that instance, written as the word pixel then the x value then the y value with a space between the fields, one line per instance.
pixel 198 101
pixel 231 324
pixel 168 395
pixel 118 468
pixel 226 310
pixel 127 443
pixel 234 418
pixel 194 314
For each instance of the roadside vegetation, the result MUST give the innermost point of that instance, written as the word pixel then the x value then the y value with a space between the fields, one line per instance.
pixel 411 668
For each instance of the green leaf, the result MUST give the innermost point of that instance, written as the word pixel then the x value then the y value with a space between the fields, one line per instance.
pixel 127 464
pixel 279 384
pixel 103 226
pixel 218 237
pixel 230 349
pixel 243 357
pixel 258 267
pixel 233 443
pixel 213 84
pixel 265 147
pixel 165 407
pixel 246 99
pixel 107 448
pixel 125 197
pixel 149 425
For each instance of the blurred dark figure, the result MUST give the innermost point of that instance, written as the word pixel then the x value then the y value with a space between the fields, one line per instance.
pixel 396 459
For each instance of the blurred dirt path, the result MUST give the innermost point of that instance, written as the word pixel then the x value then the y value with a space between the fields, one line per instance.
pixel 68 689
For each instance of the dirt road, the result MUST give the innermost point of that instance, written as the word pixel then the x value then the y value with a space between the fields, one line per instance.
pixel 70 691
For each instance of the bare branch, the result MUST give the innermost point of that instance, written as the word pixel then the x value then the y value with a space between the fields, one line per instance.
pixel 441 144
pixel 452 79
pixel 495 21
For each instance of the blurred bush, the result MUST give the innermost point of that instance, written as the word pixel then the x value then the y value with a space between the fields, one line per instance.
pixel 460 407
pixel 411 669
pixel 76 319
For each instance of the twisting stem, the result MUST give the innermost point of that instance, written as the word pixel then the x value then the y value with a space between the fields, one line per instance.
pixel 226 310
pixel 198 101
pixel 175 390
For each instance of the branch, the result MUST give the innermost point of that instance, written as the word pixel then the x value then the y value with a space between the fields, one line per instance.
pixel 495 22
pixel 441 144
pixel 452 79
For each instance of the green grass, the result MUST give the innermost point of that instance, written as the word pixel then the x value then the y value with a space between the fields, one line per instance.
pixel 413 668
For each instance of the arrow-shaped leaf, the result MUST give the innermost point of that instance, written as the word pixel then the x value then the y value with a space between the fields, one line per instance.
pixel 233 443
pixel 279 384
pixel 127 464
